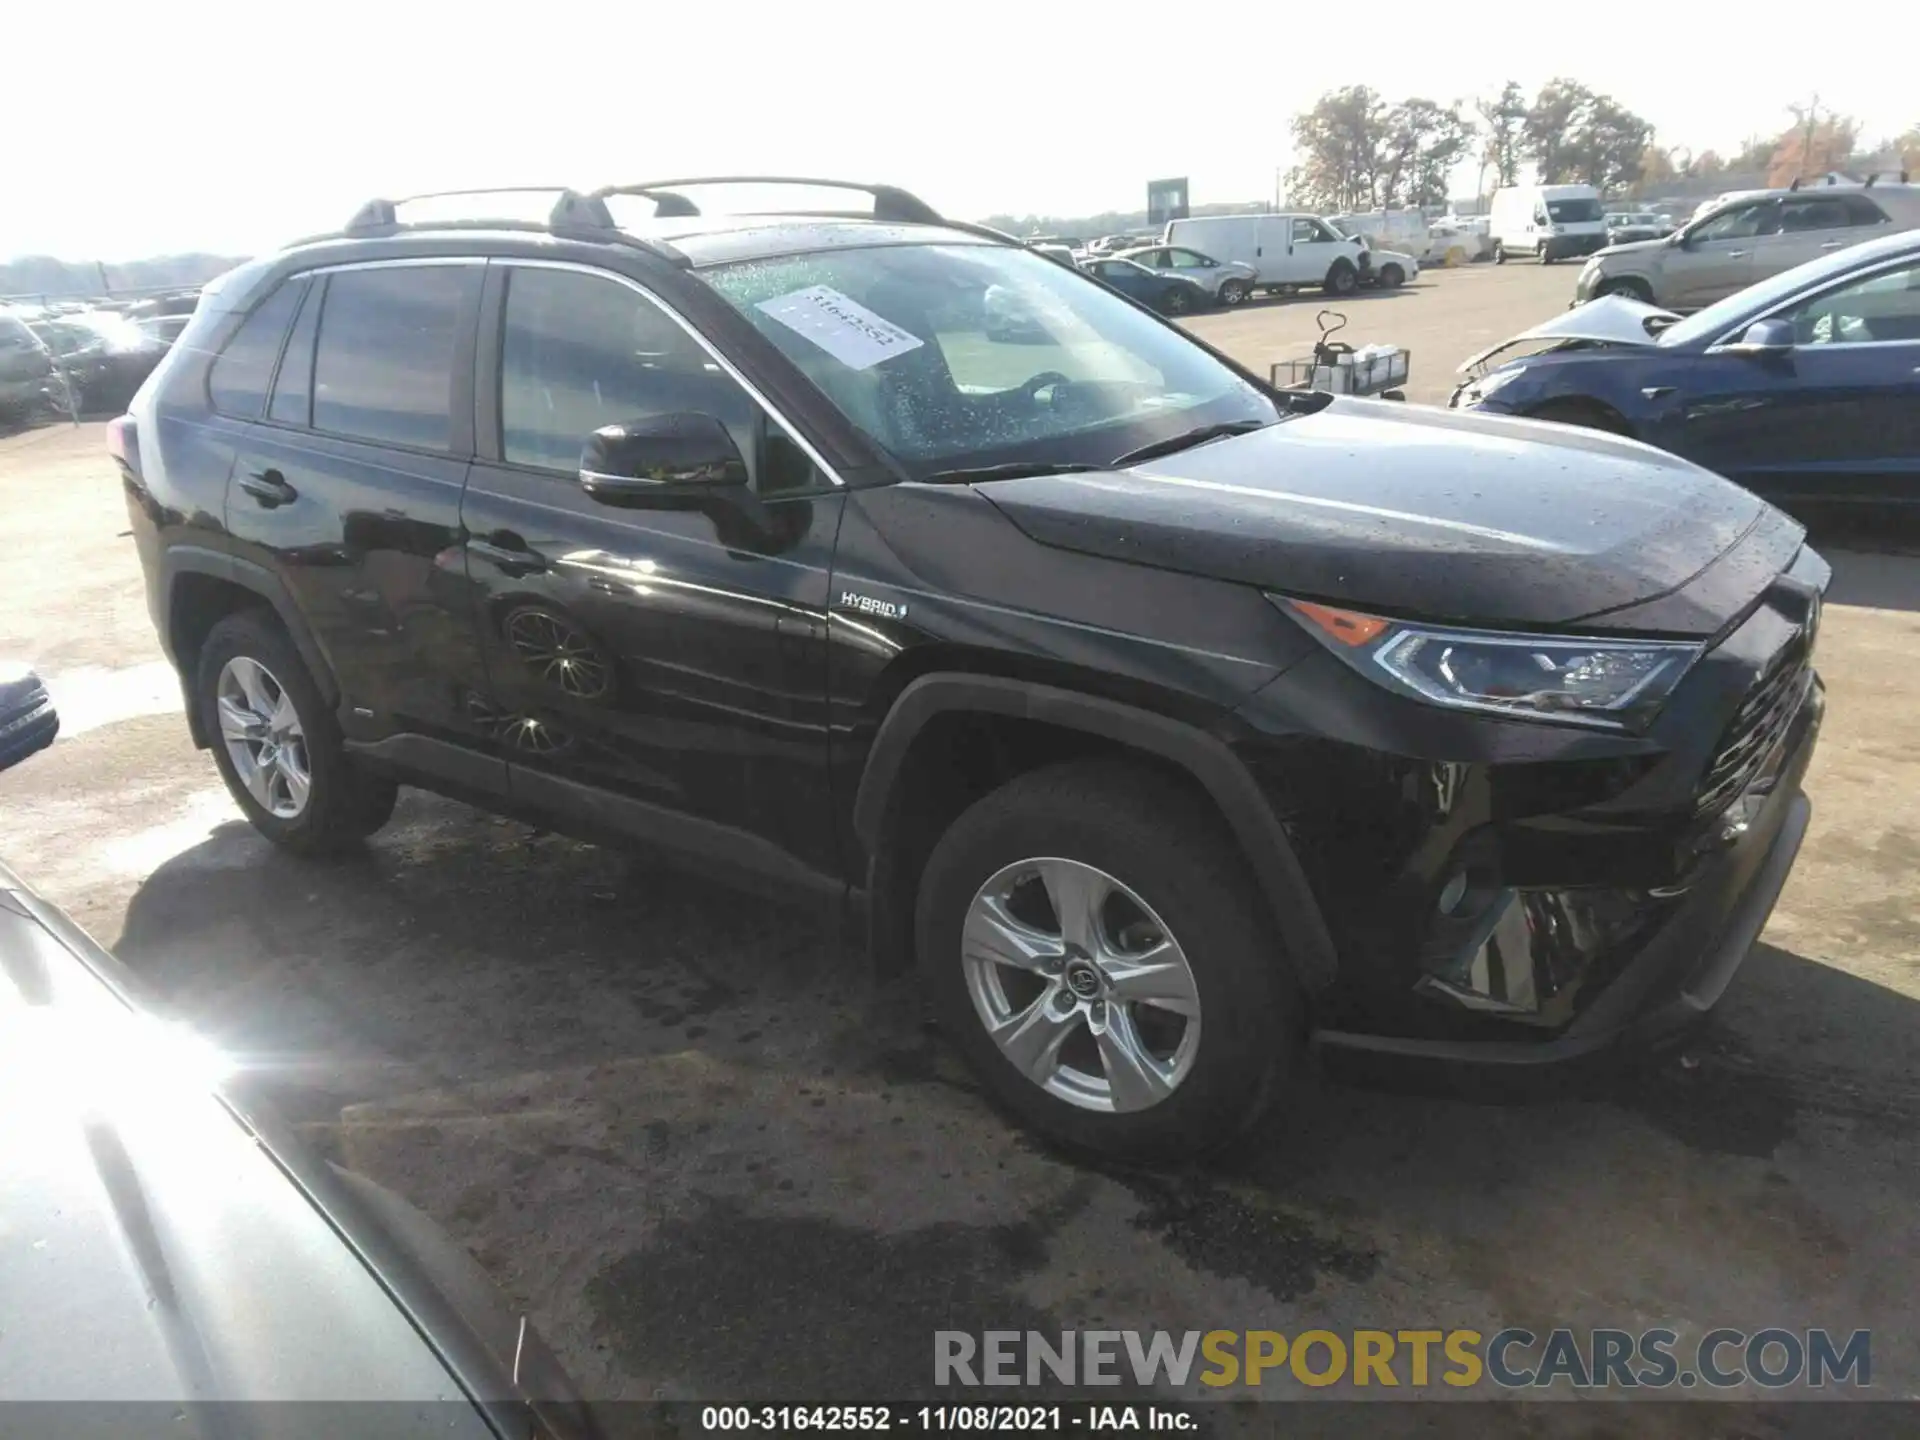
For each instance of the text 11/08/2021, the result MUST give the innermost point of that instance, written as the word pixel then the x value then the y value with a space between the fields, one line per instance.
pixel 1084 1418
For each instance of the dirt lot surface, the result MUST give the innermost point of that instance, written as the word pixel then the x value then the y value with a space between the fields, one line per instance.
pixel 689 1136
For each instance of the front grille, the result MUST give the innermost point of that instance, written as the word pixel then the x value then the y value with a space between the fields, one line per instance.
pixel 1758 724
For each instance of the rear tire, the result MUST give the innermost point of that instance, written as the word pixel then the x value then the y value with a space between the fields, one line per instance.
pixel 1341 279
pixel 1180 875
pixel 1545 255
pixel 293 780
pixel 1176 301
pixel 1499 253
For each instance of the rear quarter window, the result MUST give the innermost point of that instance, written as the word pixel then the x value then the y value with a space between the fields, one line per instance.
pixel 243 372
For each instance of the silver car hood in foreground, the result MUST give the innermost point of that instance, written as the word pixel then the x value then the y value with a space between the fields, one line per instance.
pixel 163 1242
pixel 1610 320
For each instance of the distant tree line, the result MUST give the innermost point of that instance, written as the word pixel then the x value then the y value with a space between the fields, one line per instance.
pixel 1357 151
pixel 43 275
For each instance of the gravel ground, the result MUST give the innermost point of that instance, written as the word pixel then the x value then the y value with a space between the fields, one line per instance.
pixel 686 1132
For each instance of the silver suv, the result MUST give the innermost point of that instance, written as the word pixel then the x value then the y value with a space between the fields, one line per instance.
pixel 1749 237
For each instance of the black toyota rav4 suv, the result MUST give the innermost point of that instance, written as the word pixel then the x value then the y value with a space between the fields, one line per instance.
pixel 1165 722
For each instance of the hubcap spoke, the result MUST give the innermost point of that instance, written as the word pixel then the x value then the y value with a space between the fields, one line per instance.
pixel 1032 1038
pixel 293 770
pixel 1077 893
pixel 255 684
pixel 263 736
pixel 992 934
pixel 1134 1077
pixel 237 722
pixel 1158 977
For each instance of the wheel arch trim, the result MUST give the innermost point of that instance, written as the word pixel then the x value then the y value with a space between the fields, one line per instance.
pixel 183 560
pixel 1203 757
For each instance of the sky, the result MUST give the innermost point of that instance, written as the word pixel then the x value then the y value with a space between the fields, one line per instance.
pixel 206 125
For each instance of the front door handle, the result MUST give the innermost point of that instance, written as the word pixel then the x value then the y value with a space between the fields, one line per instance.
pixel 268 487
pixel 1736 254
pixel 1654 392
pixel 1833 245
pixel 509 552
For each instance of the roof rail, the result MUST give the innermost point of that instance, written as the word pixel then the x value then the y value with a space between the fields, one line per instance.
pixel 573 214
pixel 890 202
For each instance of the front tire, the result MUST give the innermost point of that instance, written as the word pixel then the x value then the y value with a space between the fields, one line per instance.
pixel 1392 277
pixel 1342 279
pixel 1587 414
pixel 1233 292
pixel 277 745
pixel 1095 945
pixel 1499 253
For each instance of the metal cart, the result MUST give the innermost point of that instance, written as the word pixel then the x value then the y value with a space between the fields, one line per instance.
pixel 1337 367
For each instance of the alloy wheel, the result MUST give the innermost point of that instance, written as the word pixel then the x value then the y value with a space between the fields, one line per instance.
pixel 264 737
pixel 1081 985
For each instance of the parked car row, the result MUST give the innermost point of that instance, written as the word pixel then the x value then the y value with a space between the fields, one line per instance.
pixel 65 360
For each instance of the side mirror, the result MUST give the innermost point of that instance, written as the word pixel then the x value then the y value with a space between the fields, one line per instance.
pixel 660 457
pixel 1763 337
pixel 28 721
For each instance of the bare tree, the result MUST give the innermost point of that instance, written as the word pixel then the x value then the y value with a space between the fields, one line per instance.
pixel 1339 143
pixel 1505 117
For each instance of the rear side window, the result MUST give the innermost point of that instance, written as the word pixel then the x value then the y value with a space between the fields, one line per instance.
pixel 383 368
pixel 238 384
pixel 1861 210
pixel 293 388
pixel 1821 213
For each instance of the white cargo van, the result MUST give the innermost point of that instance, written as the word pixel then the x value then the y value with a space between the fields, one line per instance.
pixel 1548 222
pixel 1288 250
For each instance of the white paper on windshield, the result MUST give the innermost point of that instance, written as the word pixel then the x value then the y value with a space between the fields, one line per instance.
pixel 841 326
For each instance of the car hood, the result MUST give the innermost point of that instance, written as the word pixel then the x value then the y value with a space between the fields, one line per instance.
pixel 1610 320
pixel 168 1242
pixel 1632 247
pixel 1421 512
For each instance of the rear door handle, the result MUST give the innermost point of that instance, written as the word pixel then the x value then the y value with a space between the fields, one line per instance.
pixel 1736 254
pixel 509 552
pixel 1833 244
pixel 268 487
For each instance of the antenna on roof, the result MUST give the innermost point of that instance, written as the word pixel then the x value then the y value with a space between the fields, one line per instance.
pixel 1796 183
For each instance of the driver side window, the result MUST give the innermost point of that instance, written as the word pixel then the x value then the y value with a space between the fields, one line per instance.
pixel 1882 309
pixel 580 351
pixel 1742 222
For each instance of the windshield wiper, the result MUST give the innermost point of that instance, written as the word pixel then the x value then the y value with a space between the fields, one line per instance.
pixel 1012 470
pixel 1186 440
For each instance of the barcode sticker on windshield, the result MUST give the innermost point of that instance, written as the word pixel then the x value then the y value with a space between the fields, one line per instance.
pixel 841 326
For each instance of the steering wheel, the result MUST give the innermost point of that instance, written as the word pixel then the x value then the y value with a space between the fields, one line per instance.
pixel 1045 380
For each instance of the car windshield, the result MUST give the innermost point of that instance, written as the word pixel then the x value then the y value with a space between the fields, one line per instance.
pixel 961 356
pixel 1572 212
pixel 1758 298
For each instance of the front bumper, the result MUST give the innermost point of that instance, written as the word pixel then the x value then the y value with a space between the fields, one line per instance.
pixel 1678 975
pixel 1516 896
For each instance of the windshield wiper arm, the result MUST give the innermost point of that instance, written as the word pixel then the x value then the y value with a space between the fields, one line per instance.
pixel 1012 470
pixel 1186 440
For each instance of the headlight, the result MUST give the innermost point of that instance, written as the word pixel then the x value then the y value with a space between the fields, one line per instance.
pixel 1577 680
pixel 1492 381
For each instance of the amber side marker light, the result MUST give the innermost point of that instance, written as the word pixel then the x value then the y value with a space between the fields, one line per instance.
pixel 1349 627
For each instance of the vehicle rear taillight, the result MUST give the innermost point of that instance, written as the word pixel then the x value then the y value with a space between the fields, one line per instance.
pixel 123 443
